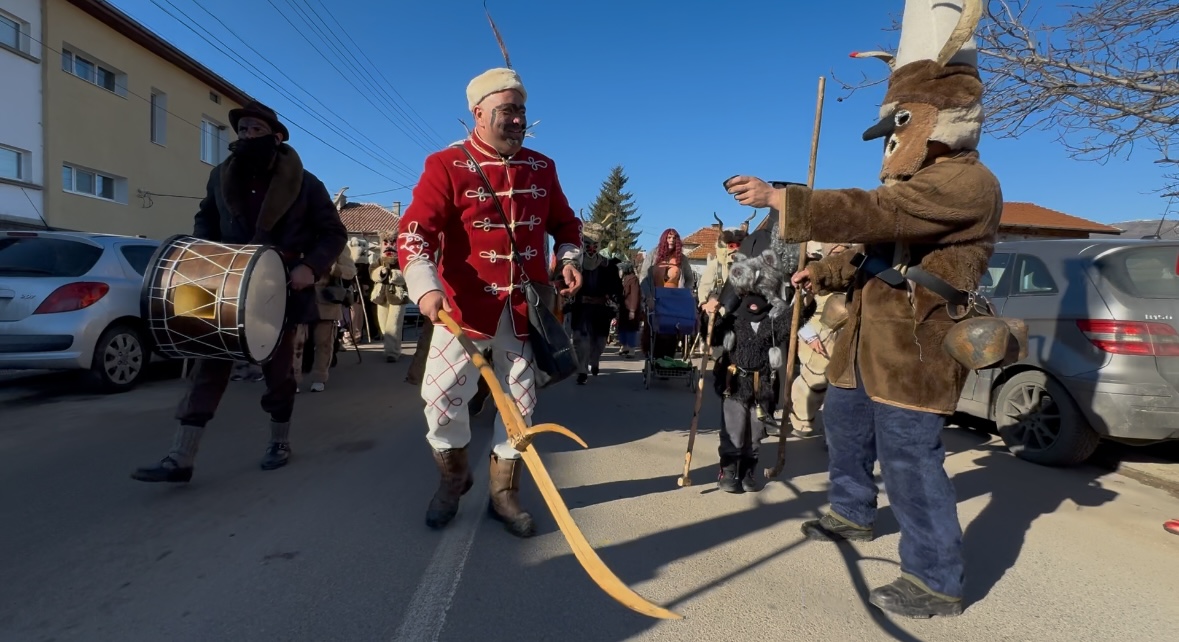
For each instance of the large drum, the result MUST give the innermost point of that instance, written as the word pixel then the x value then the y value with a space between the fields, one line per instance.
pixel 210 300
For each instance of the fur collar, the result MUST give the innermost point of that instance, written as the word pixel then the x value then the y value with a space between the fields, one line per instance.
pixel 286 182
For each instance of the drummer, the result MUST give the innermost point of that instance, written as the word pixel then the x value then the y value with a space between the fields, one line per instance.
pixel 260 194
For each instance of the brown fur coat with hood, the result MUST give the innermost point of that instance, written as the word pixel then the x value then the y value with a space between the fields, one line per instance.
pixel 948 214
pixel 296 216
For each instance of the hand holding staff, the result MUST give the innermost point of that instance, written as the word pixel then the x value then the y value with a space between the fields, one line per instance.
pixel 684 479
pixel 792 352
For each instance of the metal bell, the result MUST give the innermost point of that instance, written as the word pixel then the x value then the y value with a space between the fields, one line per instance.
pixel 986 342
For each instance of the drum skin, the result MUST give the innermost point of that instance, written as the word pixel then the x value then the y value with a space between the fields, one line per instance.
pixel 203 299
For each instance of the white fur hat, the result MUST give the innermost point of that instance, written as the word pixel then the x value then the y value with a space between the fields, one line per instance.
pixel 493 81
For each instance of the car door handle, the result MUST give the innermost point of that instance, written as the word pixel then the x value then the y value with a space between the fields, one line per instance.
pixel 7 294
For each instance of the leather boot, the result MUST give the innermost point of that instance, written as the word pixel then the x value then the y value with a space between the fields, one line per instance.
pixel 728 478
pixel 505 489
pixel 455 481
pixel 748 472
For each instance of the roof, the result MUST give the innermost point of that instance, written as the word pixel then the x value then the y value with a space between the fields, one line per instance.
pixel 705 241
pixel 1169 229
pixel 368 218
pixel 106 13
pixel 1030 215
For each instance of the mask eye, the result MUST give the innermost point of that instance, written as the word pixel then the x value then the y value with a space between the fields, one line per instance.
pixel 902 118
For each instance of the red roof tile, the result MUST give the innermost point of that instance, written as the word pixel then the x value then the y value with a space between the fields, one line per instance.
pixel 368 218
pixel 704 240
pixel 1030 215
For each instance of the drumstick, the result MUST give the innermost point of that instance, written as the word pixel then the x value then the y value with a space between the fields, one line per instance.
pixel 684 479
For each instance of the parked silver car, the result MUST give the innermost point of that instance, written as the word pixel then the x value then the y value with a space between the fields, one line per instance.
pixel 70 300
pixel 1103 355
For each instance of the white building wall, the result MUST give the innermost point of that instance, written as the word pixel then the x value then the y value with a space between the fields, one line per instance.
pixel 20 125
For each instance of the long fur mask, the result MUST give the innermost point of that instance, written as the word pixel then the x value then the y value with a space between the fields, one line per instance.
pixel 767 274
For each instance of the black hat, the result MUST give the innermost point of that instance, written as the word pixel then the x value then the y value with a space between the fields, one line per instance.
pixel 260 111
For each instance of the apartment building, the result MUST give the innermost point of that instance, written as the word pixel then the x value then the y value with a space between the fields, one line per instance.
pixel 131 123
pixel 22 157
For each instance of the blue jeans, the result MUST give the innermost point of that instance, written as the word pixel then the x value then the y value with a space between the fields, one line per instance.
pixel 909 446
pixel 629 338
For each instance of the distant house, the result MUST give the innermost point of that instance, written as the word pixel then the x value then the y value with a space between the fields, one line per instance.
pixel 1023 221
pixel 1164 229
pixel 1026 221
pixel 367 220
pixel 700 245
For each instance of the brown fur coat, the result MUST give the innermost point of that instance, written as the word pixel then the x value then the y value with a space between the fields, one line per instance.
pixel 948 213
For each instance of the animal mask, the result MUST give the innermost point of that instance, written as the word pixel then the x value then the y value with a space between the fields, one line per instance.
pixel 934 92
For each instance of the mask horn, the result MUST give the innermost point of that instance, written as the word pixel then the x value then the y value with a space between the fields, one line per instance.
pixel 719 223
pixel 888 58
pixel 745 224
pixel 963 31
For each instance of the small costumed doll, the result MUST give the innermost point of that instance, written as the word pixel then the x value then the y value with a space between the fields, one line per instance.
pixel 746 373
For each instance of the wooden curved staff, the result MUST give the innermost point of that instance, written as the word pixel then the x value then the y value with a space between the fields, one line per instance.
pixel 685 479
pixel 792 352
pixel 520 436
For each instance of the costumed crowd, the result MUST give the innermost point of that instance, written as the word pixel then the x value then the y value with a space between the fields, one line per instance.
pixel 873 378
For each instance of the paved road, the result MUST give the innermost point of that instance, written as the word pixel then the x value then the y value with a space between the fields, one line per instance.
pixel 333 547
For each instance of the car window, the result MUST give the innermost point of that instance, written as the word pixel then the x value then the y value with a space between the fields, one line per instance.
pixel 988 286
pixel 1148 272
pixel 51 257
pixel 1031 276
pixel 138 256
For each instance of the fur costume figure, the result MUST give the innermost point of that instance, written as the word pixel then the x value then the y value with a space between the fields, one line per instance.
pixel 716 270
pixel 746 371
pixel 595 303
pixel 745 378
pixel 892 383
pixel 391 295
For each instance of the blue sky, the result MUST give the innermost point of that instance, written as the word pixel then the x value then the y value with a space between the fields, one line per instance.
pixel 682 96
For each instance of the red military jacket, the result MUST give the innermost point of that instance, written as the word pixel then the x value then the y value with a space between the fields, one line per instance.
pixel 452 237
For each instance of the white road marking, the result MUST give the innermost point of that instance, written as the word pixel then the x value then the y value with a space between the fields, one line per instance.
pixel 425 616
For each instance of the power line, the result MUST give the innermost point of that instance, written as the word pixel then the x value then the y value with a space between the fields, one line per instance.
pixel 257 73
pixel 379 72
pixel 325 33
pixel 386 191
pixel 199 128
pixel 345 77
pixel 402 167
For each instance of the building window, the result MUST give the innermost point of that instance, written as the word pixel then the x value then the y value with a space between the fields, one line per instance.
pixel 12 163
pixel 214 144
pixel 93 72
pixel 86 182
pixel 159 117
pixel 10 32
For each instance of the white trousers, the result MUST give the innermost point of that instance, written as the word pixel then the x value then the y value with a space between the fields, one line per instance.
pixel 450 380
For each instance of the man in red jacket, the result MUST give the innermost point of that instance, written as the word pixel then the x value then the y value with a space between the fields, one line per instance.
pixel 456 249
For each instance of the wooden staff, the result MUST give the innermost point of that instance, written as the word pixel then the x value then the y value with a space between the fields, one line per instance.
pixel 520 435
pixel 792 352
pixel 684 479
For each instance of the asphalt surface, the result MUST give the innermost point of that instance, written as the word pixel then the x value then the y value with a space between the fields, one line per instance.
pixel 333 547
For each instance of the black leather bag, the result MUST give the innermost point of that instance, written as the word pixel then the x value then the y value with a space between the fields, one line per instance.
pixel 552 347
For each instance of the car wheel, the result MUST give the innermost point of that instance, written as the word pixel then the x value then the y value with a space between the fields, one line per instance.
pixel 1039 421
pixel 120 358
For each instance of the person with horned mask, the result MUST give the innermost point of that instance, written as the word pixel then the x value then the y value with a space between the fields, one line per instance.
pixel 928 233
pixel 390 296
pixel 594 304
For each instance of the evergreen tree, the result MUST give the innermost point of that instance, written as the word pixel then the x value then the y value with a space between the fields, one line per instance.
pixel 615 210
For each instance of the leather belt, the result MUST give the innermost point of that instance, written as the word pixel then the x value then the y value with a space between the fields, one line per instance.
pixel 595 300
pixel 874 266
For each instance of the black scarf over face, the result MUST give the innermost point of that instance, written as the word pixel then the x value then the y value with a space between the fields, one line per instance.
pixel 254 155
pixel 753 308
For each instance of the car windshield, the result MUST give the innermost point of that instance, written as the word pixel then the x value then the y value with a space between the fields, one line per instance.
pixel 1147 272
pixel 49 257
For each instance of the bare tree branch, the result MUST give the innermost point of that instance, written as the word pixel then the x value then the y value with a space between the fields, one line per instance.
pixel 1103 80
